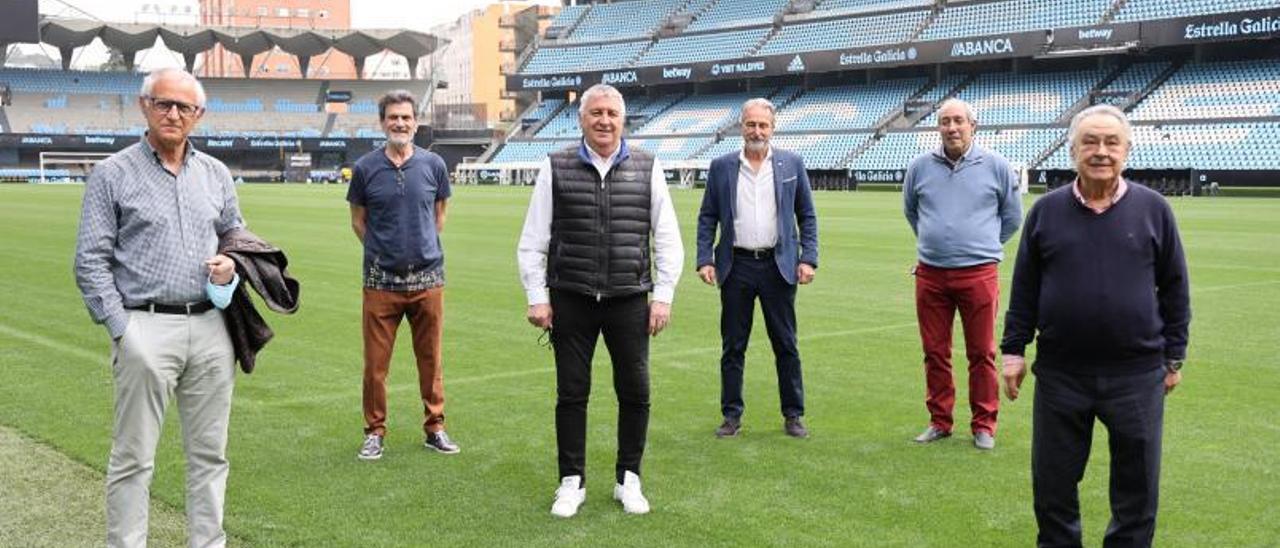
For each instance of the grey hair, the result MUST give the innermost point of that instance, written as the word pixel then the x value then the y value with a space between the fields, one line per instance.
pixel 760 102
pixel 602 90
pixel 396 97
pixel 149 83
pixel 1099 110
pixel 971 114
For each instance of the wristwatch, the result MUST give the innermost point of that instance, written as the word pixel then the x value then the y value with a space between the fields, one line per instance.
pixel 1173 366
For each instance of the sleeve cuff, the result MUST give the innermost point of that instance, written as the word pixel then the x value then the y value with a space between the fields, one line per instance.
pixel 665 294
pixel 1179 353
pixel 116 324
pixel 537 296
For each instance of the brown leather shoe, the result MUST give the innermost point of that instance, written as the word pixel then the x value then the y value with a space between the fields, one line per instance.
pixel 729 429
pixel 794 427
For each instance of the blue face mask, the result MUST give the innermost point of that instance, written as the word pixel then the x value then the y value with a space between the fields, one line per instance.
pixel 221 294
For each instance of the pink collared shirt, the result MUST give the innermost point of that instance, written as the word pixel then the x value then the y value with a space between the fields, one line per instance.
pixel 1121 188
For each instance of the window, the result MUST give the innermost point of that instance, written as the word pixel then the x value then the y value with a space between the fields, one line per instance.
pixel 282 12
pixel 303 13
pixel 323 14
pixel 263 11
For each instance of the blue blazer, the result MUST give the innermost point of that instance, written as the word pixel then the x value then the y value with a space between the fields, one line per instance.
pixel 795 209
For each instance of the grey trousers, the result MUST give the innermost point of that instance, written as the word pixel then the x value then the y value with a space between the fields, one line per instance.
pixel 160 356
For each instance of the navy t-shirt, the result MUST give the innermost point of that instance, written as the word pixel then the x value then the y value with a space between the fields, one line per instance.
pixel 400 222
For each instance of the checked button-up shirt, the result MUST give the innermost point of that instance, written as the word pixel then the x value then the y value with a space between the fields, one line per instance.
pixel 145 233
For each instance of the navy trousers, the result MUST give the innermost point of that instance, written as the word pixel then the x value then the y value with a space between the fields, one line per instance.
pixel 758 278
pixel 1132 409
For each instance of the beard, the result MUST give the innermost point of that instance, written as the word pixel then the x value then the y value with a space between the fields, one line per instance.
pixel 757 146
pixel 398 140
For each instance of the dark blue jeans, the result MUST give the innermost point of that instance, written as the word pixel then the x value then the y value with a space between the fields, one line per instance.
pixel 1132 409
pixel 750 279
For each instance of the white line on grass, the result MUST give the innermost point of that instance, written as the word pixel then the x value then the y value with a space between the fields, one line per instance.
pixel 1232 286
pixel 53 344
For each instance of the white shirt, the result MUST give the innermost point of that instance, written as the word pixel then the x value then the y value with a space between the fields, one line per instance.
pixel 755 219
pixel 531 254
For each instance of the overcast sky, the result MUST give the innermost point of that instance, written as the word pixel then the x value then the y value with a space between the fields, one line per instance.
pixel 418 15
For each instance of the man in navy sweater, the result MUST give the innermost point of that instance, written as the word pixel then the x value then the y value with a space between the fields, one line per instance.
pixel 1102 279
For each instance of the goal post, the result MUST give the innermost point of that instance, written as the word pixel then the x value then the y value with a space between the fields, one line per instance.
pixel 84 159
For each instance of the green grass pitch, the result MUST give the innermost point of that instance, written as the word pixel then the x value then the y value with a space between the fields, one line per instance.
pixel 858 481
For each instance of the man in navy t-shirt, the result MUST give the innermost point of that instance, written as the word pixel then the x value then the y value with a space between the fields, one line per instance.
pixel 1101 282
pixel 398 196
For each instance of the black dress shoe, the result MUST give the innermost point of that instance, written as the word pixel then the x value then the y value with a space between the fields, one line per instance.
pixel 729 429
pixel 794 427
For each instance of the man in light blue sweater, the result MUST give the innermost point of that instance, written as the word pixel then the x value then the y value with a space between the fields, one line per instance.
pixel 963 203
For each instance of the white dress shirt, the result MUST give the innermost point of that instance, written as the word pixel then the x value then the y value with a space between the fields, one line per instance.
pixel 531 254
pixel 755 219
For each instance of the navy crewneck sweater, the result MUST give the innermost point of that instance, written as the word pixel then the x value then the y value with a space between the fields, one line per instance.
pixel 1108 293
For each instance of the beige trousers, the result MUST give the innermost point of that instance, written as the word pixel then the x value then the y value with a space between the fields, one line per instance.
pixel 160 356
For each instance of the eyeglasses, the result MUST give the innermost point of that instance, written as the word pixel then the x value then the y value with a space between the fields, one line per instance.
pixel 163 106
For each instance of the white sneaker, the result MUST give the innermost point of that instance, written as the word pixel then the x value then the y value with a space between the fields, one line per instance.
pixel 628 492
pixel 569 496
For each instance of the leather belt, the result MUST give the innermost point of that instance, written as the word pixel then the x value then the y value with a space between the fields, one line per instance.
pixel 753 253
pixel 185 309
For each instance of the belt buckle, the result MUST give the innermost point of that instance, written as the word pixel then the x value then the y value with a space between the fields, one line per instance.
pixel 188 307
pixel 758 253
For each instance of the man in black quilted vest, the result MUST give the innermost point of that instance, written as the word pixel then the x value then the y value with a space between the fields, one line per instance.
pixel 600 235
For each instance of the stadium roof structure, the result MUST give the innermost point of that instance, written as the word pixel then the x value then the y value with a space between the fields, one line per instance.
pixel 129 38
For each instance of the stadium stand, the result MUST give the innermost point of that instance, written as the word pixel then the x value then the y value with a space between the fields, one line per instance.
pixel 1141 10
pixel 1235 89
pixel 834 7
pixel 548 60
pixel 845 107
pixel 703 47
pixel 626 19
pixel 1008 99
pixel 738 13
pixel 844 33
pixel 1187 107
pixel 980 18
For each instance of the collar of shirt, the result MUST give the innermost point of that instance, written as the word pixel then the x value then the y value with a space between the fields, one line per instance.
pixel 601 163
pixel 971 154
pixel 768 160
pixel 190 150
pixel 1121 188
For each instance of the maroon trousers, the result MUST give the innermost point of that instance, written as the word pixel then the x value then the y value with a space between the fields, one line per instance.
pixel 383 311
pixel 975 292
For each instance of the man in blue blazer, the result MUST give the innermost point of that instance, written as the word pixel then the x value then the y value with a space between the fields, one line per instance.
pixel 760 200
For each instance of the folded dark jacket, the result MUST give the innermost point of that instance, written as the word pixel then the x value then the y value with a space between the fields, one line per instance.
pixel 261 266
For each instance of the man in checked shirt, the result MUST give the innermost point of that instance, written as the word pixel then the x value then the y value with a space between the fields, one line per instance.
pixel 147 267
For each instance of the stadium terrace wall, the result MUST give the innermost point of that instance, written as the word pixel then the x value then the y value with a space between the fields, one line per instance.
pixel 1259 24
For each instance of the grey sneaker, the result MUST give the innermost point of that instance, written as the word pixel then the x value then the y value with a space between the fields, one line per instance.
pixel 794 427
pixel 984 440
pixel 440 442
pixel 931 434
pixel 372 448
